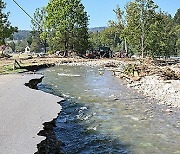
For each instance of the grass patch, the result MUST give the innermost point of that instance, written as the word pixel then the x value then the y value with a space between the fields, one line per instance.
pixel 8 69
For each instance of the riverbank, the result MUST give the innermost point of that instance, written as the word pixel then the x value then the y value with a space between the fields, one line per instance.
pixel 23 111
pixel 159 82
pixel 145 76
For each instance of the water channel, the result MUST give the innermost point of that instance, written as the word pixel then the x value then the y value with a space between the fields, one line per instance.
pixel 101 115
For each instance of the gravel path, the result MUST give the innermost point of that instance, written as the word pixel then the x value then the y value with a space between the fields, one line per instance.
pixel 22 113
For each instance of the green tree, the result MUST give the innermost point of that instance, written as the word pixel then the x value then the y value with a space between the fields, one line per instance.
pixel 12 45
pixel 162 39
pixel 67 26
pixel 21 45
pixel 177 17
pixel 148 32
pixel 6 30
pixel 177 32
pixel 38 29
pixel 95 39
pixel 110 36
pixel 29 40
pixel 36 44
pixel 140 15
pixel 115 29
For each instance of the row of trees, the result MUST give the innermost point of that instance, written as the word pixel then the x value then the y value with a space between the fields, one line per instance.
pixel 141 29
pixel 63 26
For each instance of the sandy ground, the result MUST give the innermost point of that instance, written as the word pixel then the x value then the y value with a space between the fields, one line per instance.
pixel 22 113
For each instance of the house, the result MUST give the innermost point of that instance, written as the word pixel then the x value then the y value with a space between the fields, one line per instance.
pixel 27 50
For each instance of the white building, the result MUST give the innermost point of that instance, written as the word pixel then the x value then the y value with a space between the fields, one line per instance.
pixel 27 50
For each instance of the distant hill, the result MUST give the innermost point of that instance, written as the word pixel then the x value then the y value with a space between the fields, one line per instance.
pixel 21 34
pixel 97 29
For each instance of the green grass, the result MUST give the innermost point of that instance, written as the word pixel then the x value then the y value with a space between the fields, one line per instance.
pixel 8 69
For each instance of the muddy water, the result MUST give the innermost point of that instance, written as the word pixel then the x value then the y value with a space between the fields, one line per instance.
pixel 101 115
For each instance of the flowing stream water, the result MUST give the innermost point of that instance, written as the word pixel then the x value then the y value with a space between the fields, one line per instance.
pixel 101 115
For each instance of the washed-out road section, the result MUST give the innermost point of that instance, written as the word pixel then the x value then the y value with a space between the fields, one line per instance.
pixel 22 114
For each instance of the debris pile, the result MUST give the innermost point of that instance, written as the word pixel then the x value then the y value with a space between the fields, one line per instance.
pixel 162 83
pixel 136 71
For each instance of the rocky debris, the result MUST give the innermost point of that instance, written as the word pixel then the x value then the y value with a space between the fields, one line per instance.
pixel 168 74
pixel 165 62
pixel 167 92
pixel 175 68
pixel 135 71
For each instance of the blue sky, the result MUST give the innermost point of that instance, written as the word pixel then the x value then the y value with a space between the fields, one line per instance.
pixel 100 11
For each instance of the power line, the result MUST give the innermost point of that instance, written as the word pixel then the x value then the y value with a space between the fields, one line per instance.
pixel 32 20
pixel 26 13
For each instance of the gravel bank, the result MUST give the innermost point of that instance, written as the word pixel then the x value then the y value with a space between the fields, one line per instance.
pixel 22 113
pixel 166 91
